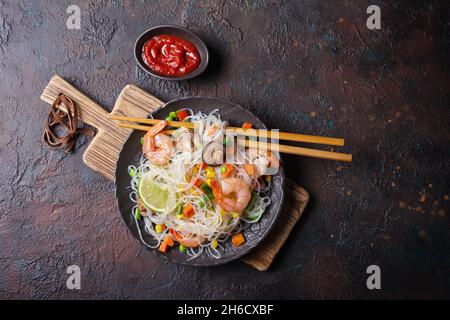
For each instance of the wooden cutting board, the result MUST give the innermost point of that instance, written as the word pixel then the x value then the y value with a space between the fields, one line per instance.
pixel 102 153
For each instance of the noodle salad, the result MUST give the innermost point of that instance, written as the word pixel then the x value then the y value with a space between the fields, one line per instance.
pixel 199 189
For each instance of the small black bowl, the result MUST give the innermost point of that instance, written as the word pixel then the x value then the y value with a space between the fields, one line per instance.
pixel 178 32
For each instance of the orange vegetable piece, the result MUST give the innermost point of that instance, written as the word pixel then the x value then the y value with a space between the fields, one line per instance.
pixel 249 168
pixel 230 169
pixel 163 247
pixel 169 241
pixel 188 210
pixel 237 239
pixel 216 189
pixel 196 182
pixel 247 125
pixel 181 114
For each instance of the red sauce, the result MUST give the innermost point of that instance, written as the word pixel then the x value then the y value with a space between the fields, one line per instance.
pixel 170 56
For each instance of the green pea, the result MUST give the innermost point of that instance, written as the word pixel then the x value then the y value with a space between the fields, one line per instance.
pixel 173 115
pixel 182 248
pixel 223 169
pixel 169 118
pixel 132 173
pixel 137 214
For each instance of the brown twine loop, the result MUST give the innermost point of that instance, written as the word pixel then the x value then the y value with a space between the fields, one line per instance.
pixel 66 118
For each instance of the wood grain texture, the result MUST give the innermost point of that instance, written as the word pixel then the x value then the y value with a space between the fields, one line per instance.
pixel 102 153
pixel 296 199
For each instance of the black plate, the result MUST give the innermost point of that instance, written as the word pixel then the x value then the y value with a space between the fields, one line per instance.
pixel 132 150
pixel 174 31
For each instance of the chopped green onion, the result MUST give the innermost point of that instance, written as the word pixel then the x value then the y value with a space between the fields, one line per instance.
pixel 210 195
pixel 137 214
pixel 179 209
pixel 132 172
pixel 206 188
pixel 226 140
pixel 182 248
pixel 201 204
pixel 142 141
pixel 252 201
pixel 223 169
pixel 173 115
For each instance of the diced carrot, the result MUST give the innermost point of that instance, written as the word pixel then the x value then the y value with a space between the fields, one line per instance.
pixel 188 210
pixel 175 234
pixel 163 247
pixel 196 182
pixel 203 165
pixel 229 170
pixel 181 114
pixel 247 125
pixel 237 239
pixel 169 241
pixel 249 168
pixel 216 189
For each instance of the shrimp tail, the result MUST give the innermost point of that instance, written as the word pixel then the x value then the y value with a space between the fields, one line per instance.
pixel 216 190
pixel 157 128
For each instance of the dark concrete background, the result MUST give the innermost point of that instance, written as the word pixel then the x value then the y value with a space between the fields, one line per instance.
pixel 303 66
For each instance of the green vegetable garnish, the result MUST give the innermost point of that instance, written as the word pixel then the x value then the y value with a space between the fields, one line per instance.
pixel 142 141
pixel 252 201
pixel 137 214
pixel 182 248
pixel 226 140
pixel 223 169
pixel 173 115
pixel 179 209
pixel 169 119
pixel 207 189
pixel 132 172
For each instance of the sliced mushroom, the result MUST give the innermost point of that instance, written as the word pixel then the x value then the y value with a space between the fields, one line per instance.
pixel 213 154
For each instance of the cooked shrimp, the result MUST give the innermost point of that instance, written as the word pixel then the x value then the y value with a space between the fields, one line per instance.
pixel 183 141
pixel 264 160
pixel 158 149
pixel 191 241
pixel 233 194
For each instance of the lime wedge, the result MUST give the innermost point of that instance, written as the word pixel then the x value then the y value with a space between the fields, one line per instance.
pixel 156 195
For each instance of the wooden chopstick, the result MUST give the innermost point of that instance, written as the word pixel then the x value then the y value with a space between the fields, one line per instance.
pixel 313 153
pixel 299 151
pixel 250 133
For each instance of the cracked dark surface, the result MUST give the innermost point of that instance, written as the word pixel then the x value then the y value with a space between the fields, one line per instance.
pixel 303 66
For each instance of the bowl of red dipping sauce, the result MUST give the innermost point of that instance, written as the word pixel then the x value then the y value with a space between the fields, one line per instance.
pixel 171 53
